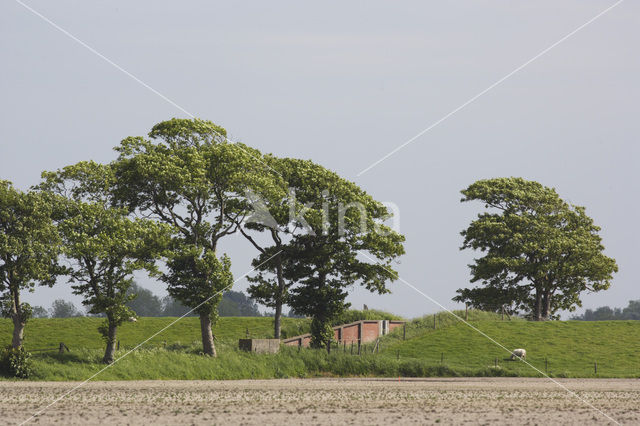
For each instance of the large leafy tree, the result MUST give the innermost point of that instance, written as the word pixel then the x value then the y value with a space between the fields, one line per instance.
pixel 102 244
pixel 190 177
pixel 337 239
pixel 539 252
pixel 29 250
pixel 273 216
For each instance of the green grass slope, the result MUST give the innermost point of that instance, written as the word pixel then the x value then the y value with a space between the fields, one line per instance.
pixel 560 348
pixel 45 334
pixel 570 349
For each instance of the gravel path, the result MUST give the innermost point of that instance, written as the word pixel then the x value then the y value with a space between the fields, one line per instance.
pixel 326 401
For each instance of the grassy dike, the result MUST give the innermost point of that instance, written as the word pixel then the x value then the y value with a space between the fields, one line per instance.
pixel 571 349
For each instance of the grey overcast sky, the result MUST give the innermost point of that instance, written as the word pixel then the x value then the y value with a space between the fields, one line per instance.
pixel 343 83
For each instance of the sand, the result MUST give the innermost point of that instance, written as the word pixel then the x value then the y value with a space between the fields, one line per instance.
pixel 327 401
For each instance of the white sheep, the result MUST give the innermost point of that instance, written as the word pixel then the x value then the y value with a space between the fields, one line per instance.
pixel 520 353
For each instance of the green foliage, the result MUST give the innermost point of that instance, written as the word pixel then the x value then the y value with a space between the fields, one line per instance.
pixel 145 303
pixel 321 333
pixel 353 315
pixel 540 253
pixel 8 308
pixel 198 278
pixel 103 245
pixel 106 248
pixel 191 178
pixel 29 250
pixel 60 308
pixel 605 313
pixel 335 239
pixel 237 304
pixel 16 362
pixel 40 312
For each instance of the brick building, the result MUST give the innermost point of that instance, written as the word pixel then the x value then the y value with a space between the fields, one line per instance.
pixel 364 331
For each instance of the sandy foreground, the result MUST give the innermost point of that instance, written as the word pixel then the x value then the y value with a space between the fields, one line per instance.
pixel 326 401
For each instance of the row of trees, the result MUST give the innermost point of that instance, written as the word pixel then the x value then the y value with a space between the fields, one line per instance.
pixel 174 197
pixel 147 304
pixel 605 313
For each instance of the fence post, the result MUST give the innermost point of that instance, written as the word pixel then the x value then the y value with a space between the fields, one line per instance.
pixel 329 346
pixel 466 312
pixel 359 346
pixel 404 331
pixel 595 367
pixel 442 358
pixel 352 347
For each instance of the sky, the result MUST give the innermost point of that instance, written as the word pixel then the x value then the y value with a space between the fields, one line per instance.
pixel 343 84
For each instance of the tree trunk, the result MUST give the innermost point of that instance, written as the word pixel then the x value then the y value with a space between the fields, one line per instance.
pixel 538 306
pixel 208 347
pixel 546 305
pixel 109 353
pixel 18 332
pixel 18 319
pixel 279 298
pixel 277 320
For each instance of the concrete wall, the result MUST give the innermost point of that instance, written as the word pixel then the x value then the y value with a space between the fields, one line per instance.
pixel 261 346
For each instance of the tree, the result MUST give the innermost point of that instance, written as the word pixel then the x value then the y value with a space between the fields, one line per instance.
pixel 323 260
pixel 540 253
pixel 605 313
pixel 273 216
pixel 60 308
pixel 144 303
pixel 102 244
pixel 237 304
pixel 29 250
pixel 39 312
pixel 632 311
pixel 191 178
pixel 233 304
pixel 173 308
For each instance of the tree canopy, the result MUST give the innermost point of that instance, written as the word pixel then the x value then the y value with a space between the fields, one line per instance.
pixel 335 239
pixel 103 245
pixel 539 252
pixel 29 250
pixel 191 178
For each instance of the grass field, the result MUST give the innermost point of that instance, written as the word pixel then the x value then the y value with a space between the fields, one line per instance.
pixel 45 334
pixel 561 348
